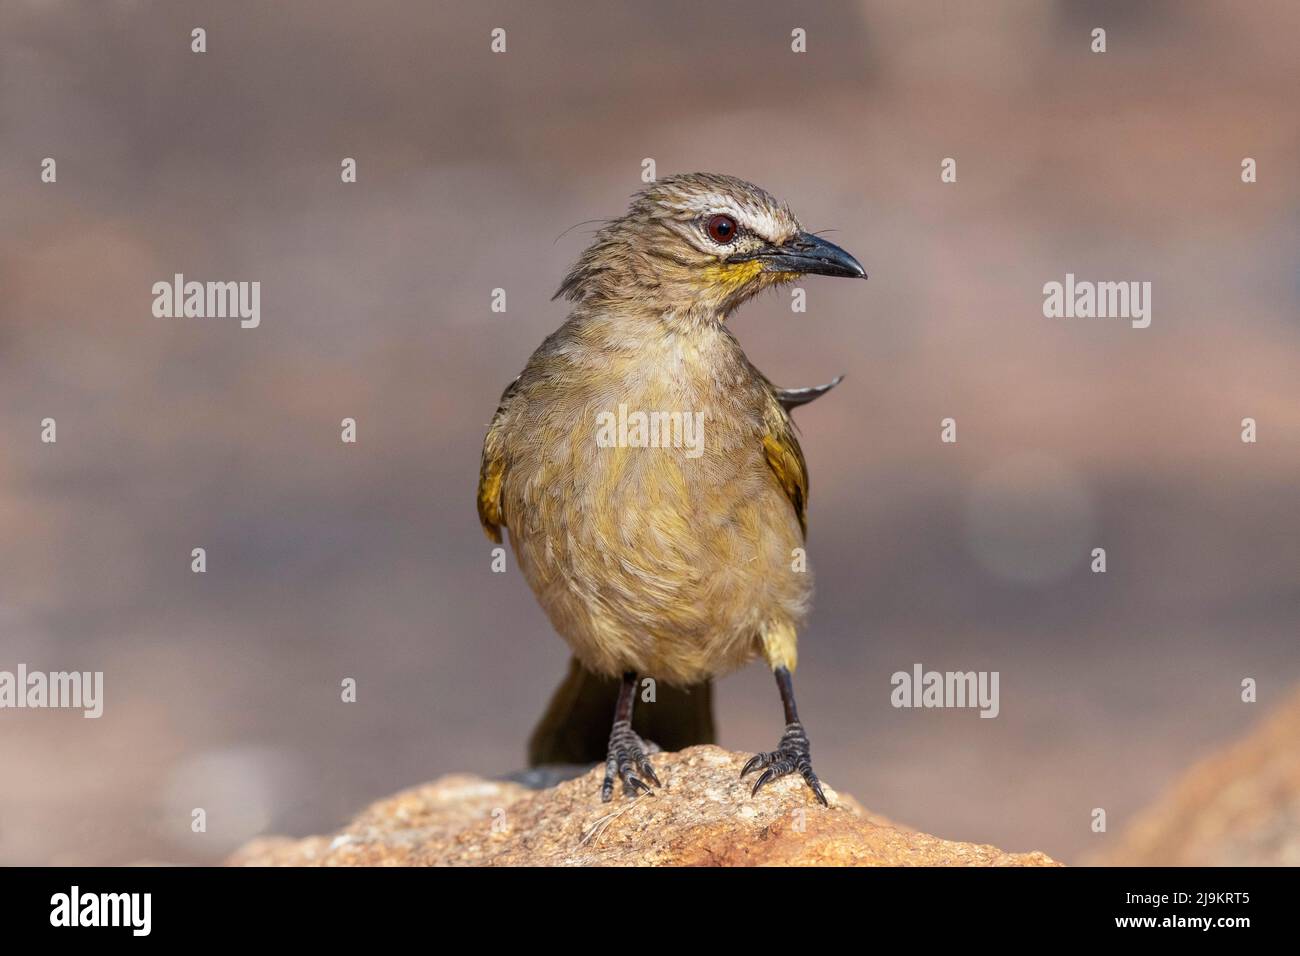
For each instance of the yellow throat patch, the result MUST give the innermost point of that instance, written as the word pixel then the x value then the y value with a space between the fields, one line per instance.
pixel 730 276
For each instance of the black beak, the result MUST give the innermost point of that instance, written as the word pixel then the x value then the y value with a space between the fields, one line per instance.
pixel 811 255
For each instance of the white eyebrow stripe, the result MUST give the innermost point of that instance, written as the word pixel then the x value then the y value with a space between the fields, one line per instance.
pixel 758 220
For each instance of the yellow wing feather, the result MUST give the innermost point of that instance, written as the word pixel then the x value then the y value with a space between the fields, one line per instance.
pixel 785 458
pixel 492 473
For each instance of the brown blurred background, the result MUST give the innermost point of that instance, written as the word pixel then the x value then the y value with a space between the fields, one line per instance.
pixel 328 561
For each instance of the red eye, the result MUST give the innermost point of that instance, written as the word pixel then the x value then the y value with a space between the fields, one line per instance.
pixel 721 229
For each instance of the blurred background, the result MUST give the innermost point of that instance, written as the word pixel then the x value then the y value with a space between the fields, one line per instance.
pixel 327 561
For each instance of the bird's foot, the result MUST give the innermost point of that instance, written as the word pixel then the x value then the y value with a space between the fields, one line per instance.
pixel 627 757
pixel 791 754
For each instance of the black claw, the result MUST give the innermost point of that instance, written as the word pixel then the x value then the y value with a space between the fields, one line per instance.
pixel 754 762
pixel 649 772
pixel 767 777
pixel 811 779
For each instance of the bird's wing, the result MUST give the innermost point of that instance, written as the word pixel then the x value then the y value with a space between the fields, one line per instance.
pixel 492 473
pixel 785 458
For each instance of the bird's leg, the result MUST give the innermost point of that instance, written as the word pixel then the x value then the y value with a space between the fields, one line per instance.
pixel 627 752
pixel 792 753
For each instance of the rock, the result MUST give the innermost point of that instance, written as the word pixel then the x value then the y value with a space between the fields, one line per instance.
pixel 703 815
pixel 1237 807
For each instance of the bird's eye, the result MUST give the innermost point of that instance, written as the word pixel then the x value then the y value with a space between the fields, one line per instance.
pixel 721 229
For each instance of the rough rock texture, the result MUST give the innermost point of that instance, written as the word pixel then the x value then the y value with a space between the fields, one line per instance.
pixel 702 816
pixel 1237 807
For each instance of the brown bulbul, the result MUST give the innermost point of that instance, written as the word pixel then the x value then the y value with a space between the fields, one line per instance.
pixel 650 478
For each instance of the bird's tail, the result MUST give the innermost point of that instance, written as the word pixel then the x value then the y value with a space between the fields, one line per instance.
pixel 575 727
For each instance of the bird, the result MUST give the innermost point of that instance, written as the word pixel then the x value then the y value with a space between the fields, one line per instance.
pixel 662 563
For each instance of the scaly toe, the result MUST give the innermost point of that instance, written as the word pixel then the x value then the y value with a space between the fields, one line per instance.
pixel 627 757
pixel 792 754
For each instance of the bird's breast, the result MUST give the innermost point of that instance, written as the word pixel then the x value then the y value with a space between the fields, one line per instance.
pixel 644 512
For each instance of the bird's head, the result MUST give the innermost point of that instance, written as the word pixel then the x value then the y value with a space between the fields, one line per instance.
pixel 700 243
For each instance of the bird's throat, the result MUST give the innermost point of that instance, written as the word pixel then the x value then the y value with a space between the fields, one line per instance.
pixel 729 277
